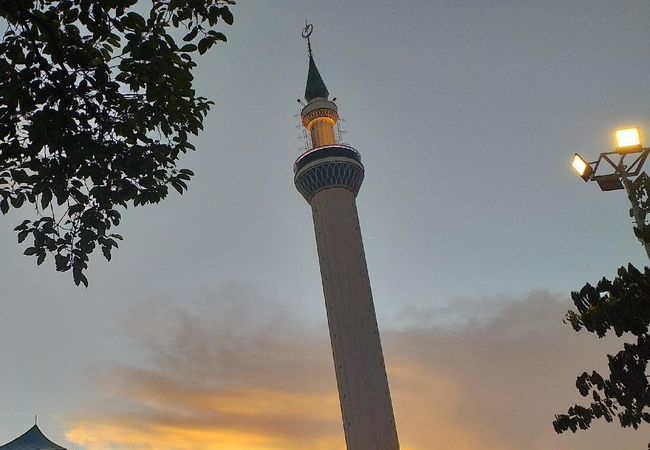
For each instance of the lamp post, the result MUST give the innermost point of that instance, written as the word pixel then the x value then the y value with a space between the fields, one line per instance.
pixel 628 143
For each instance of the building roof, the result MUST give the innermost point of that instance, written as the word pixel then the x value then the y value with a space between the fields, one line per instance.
pixel 315 84
pixel 32 439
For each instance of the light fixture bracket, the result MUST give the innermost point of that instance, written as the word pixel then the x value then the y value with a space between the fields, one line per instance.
pixel 612 181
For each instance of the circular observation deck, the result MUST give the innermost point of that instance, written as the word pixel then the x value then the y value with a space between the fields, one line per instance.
pixel 326 167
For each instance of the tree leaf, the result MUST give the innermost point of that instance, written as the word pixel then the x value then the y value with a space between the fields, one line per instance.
pixel 188 48
pixel 204 45
pixel 227 15
pixel 62 263
pixel 191 35
pixel 22 235
pixel 106 250
pixel 46 198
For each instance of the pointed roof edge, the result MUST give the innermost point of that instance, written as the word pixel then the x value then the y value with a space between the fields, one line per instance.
pixel 315 85
pixel 29 435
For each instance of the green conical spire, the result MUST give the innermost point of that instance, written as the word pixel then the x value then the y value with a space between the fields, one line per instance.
pixel 315 84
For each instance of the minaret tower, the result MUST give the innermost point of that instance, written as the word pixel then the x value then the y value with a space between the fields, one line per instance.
pixel 329 177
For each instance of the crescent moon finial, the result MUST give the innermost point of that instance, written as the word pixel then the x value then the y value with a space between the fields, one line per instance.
pixel 306 33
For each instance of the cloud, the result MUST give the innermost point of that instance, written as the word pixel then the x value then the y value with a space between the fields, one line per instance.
pixel 238 374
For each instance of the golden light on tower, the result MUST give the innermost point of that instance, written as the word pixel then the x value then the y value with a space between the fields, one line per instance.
pixel 628 140
pixel 581 167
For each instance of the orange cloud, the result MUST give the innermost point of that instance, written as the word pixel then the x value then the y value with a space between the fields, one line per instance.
pixel 156 413
pixel 240 419
pixel 98 436
pixel 492 381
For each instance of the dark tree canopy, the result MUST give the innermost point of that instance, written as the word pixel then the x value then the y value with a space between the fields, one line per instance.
pixel 96 105
pixel 640 194
pixel 621 306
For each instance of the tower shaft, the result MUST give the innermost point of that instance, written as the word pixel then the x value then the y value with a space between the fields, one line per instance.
pixel 361 377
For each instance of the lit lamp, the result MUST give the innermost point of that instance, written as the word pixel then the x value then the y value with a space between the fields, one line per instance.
pixel 628 140
pixel 582 168
pixel 619 174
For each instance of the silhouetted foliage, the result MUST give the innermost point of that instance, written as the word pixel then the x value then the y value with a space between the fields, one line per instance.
pixel 640 194
pixel 96 105
pixel 621 306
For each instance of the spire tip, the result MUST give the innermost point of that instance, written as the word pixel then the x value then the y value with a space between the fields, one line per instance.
pixel 306 33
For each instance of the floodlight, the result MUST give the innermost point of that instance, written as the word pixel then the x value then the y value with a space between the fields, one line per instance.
pixel 611 183
pixel 628 140
pixel 582 168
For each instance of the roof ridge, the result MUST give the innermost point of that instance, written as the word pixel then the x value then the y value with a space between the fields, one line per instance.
pixel 32 439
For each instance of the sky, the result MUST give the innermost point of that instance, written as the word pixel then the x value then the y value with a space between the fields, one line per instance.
pixel 207 330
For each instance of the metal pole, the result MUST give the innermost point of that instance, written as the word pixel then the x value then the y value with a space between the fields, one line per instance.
pixel 636 212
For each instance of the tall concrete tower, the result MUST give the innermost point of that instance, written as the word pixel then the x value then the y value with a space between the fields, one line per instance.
pixel 329 177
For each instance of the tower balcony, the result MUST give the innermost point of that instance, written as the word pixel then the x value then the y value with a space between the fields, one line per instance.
pixel 327 167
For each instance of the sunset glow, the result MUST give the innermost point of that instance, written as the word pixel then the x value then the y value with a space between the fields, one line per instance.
pixel 448 392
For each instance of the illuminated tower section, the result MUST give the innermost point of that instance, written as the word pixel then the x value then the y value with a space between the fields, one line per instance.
pixel 329 177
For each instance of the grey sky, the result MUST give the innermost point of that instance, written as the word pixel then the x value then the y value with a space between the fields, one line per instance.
pixel 466 114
